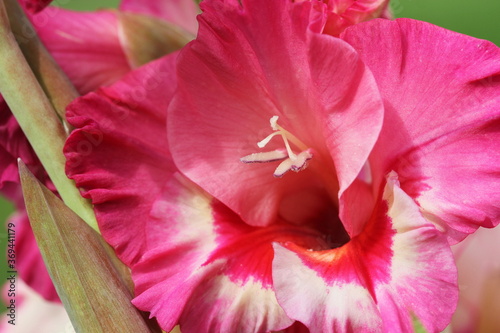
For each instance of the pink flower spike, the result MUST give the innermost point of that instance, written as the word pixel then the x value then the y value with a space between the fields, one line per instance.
pixel 442 119
pixel 378 280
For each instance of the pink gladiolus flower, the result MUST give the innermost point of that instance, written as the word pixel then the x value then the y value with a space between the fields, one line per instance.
pixel 301 178
pixel 90 49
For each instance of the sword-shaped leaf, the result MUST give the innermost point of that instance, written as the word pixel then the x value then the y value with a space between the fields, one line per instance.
pixel 92 291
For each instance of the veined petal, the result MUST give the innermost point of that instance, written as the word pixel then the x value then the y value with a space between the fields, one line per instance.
pixel 179 12
pixel 398 266
pixel 442 119
pixel 119 153
pixel 209 271
pixel 85 45
pixel 237 75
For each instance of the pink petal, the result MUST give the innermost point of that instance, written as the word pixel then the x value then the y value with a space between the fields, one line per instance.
pixel 441 130
pixel 209 271
pixel 179 12
pixel 86 45
pixel 399 266
pixel 238 74
pixel 119 153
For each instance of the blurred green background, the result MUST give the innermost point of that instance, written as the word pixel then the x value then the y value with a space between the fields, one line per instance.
pixel 477 18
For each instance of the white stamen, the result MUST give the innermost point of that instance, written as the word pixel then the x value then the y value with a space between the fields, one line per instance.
pixel 283 168
pixel 299 164
pixel 268 156
pixel 294 162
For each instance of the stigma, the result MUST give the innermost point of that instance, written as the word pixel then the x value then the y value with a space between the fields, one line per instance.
pixel 289 159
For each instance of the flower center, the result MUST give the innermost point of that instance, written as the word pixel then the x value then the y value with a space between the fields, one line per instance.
pixel 290 160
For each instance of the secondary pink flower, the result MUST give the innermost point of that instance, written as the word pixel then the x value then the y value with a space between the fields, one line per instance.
pixel 219 245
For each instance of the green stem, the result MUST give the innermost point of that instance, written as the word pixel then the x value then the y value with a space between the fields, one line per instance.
pixel 37 118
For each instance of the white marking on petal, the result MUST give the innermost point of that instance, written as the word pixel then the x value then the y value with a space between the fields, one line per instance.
pixel 324 305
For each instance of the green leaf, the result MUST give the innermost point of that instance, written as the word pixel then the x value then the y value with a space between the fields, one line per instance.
pixel 88 283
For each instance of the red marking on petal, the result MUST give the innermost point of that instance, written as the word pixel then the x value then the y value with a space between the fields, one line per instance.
pixel 249 250
pixel 362 260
